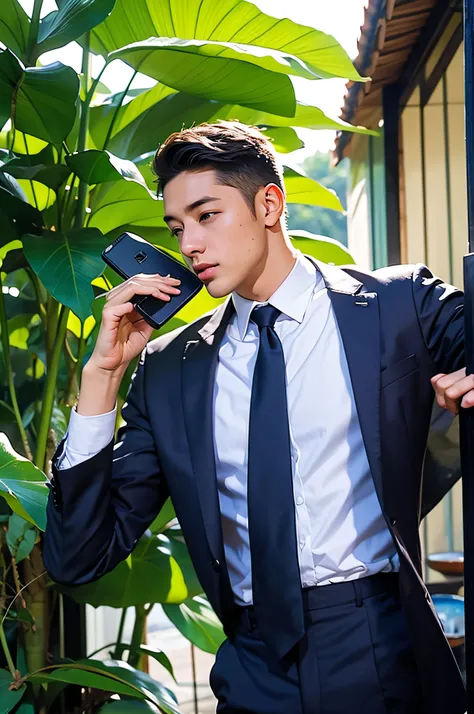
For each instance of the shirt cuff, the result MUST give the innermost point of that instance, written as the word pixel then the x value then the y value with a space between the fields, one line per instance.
pixel 86 436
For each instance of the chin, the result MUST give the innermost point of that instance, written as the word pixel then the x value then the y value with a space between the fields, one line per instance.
pixel 218 289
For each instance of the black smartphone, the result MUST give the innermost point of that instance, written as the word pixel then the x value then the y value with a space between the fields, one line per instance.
pixel 129 255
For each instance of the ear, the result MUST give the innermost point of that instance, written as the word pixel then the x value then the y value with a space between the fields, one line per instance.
pixel 273 204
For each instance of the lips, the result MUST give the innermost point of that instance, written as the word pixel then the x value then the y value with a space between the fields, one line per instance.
pixel 205 271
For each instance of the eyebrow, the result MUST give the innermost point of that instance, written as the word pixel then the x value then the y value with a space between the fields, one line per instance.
pixel 193 206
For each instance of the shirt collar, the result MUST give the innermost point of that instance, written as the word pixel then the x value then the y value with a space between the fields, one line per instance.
pixel 291 297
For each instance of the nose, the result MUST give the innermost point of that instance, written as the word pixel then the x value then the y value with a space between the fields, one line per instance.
pixel 191 243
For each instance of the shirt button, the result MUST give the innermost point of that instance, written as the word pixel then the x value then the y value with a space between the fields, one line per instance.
pixel 300 500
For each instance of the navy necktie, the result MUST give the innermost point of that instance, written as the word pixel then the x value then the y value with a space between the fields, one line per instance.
pixel 276 584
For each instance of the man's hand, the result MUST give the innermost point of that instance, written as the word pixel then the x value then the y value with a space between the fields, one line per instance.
pixel 452 389
pixel 123 334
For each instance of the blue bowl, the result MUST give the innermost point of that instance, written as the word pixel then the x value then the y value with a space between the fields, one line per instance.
pixel 450 609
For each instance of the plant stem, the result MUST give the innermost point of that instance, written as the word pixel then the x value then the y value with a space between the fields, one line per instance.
pixel 120 633
pixel 80 213
pixel 7 361
pixel 117 109
pixel 49 389
pixel 62 647
pixel 34 27
pixel 13 132
pixel 6 651
pixel 137 636
pixel 52 317
pixel 80 354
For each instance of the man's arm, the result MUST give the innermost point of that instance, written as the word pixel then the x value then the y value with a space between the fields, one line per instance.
pixel 100 507
pixel 440 310
pixel 85 437
pixel 439 307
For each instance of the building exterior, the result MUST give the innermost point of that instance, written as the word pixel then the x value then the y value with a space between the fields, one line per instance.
pixel 408 199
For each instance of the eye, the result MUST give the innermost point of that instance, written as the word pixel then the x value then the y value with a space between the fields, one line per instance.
pixel 206 215
pixel 175 232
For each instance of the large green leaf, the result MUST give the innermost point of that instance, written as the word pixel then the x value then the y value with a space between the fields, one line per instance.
pixel 73 19
pixel 197 621
pixel 38 167
pixel 124 202
pixel 284 139
pixel 66 263
pixel 14 27
pixel 8 697
pixel 46 102
pixel 96 674
pixel 22 143
pixel 10 75
pixel 44 97
pixel 123 110
pixel 325 249
pixel 223 21
pixel 17 217
pixel 161 695
pixel 142 125
pixel 147 56
pixel 158 570
pixel 157 655
pixel 195 66
pixel 100 166
pixel 303 189
pixel 22 485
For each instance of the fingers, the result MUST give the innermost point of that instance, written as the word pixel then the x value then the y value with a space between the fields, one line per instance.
pixel 468 400
pixel 451 388
pixel 112 314
pixel 156 285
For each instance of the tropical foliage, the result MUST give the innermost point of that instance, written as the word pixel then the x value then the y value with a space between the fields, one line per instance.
pixel 317 220
pixel 74 173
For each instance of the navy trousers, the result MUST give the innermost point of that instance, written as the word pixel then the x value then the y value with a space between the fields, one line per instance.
pixel 355 658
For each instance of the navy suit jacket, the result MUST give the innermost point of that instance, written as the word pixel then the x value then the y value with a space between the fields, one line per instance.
pixel 399 327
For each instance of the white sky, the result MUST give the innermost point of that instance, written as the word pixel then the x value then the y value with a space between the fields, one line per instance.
pixel 341 18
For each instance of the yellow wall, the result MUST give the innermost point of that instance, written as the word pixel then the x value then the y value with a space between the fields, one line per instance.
pixel 436 222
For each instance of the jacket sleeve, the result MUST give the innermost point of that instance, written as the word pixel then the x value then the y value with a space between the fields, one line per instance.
pixel 439 307
pixel 98 509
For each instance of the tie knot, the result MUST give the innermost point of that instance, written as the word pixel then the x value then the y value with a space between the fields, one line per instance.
pixel 265 316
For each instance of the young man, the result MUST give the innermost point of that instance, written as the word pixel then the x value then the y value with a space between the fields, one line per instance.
pixel 289 428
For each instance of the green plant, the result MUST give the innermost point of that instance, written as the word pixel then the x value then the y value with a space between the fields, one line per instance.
pixel 74 172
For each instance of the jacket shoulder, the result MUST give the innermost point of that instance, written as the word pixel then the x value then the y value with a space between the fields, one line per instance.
pixel 394 276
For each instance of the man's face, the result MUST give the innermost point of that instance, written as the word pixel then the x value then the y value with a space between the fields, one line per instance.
pixel 214 226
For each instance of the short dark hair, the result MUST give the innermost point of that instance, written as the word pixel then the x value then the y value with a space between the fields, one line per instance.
pixel 241 156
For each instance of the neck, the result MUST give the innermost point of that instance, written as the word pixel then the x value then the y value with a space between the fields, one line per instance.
pixel 271 271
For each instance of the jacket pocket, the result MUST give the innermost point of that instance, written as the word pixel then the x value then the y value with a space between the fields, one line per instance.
pixel 398 370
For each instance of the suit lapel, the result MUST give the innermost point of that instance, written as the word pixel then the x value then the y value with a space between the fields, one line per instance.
pixel 357 315
pixel 198 375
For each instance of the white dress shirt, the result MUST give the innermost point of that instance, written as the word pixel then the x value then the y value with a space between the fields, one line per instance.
pixel 341 532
